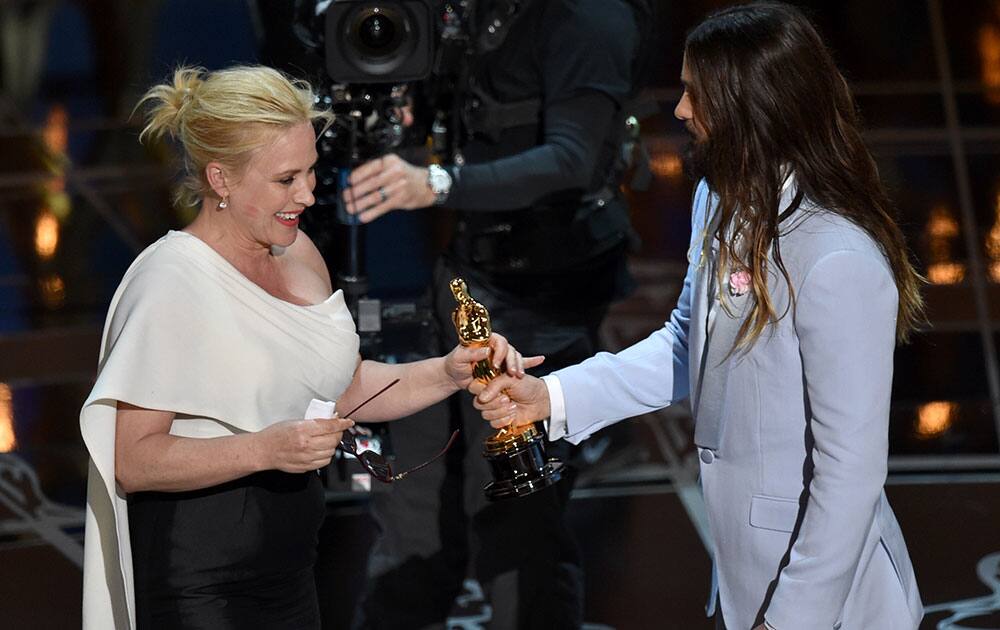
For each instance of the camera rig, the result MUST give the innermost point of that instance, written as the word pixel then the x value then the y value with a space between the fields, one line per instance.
pixel 375 51
pixel 378 58
pixel 368 60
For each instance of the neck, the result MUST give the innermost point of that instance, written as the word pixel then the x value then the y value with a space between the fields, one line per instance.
pixel 215 227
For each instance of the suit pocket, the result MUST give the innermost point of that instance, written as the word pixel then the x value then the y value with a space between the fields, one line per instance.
pixel 899 560
pixel 774 513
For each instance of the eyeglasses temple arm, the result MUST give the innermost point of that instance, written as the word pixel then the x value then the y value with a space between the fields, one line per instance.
pixel 370 398
pixel 451 441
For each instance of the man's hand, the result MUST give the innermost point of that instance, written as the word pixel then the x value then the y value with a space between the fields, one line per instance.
pixel 460 361
pixel 385 184
pixel 511 401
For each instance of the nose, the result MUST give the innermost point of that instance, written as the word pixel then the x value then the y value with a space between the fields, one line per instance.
pixel 304 195
pixel 683 109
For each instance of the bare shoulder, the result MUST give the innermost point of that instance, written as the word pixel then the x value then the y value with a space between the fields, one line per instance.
pixel 305 252
pixel 306 272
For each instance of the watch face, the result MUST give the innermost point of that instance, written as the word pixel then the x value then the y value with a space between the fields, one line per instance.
pixel 439 180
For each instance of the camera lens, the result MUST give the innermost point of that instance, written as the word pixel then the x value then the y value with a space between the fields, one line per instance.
pixel 372 41
pixel 376 31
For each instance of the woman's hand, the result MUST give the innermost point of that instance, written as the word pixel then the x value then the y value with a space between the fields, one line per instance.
pixel 297 446
pixel 507 400
pixel 459 362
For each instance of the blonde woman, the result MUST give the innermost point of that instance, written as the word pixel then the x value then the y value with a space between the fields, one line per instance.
pixel 203 508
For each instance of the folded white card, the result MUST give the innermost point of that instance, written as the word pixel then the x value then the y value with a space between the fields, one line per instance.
pixel 320 409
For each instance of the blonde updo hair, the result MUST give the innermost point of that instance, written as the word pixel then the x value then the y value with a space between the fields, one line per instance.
pixel 224 116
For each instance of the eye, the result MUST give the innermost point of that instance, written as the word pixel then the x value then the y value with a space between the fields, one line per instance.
pixel 287 181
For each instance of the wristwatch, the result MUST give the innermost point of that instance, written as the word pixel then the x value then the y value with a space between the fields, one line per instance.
pixel 439 180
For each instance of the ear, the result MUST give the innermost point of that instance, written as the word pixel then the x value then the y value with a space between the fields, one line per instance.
pixel 215 174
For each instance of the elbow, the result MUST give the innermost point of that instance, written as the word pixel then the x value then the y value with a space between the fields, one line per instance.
pixel 579 174
pixel 863 479
pixel 575 165
pixel 126 484
pixel 128 476
pixel 580 177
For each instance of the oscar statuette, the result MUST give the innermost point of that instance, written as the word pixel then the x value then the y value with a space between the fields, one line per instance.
pixel 516 454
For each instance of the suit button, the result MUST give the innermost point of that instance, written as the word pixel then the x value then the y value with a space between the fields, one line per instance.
pixel 707 456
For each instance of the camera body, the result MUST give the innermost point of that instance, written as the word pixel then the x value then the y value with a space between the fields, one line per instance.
pixel 379 41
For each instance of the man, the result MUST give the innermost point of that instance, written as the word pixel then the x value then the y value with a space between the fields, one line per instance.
pixel 540 240
pixel 797 288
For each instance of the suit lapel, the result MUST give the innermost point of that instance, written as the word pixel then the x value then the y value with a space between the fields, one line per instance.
pixel 704 253
pixel 716 365
pixel 700 308
pixel 715 362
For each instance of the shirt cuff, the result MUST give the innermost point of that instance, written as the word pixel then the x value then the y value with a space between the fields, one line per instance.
pixel 555 426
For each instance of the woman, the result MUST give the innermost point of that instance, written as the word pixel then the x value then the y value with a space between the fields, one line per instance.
pixel 201 499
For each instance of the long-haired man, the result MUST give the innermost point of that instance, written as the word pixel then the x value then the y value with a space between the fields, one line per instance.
pixel 798 287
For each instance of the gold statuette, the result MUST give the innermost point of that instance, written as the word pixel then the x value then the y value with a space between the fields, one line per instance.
pixel 516 454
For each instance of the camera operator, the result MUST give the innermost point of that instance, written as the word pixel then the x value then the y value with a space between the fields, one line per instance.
pixel 540 237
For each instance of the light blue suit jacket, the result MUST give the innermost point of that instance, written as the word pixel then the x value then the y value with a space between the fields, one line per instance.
pixel 792 434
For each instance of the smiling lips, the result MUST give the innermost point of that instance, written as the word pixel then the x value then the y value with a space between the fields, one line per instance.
pixel 291 219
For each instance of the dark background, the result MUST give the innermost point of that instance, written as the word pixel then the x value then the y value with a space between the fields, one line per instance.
pixel 79 197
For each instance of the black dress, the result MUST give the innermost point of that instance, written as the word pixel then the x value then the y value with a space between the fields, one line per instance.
pixel 237 555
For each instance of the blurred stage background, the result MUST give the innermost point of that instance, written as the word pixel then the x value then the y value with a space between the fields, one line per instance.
pixel 79 197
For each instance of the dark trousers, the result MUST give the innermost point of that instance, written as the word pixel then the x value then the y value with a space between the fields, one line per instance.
pixel 437 526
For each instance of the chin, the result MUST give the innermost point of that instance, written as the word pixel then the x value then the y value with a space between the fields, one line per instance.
pixel 693 160
pixel 286 237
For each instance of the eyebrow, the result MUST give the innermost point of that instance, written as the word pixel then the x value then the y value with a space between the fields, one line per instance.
pixel 293 171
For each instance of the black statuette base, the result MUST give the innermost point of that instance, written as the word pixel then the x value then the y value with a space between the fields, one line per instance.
pixel 521 471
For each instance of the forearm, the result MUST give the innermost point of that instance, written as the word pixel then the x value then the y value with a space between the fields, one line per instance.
pixel 167 463
pixel 574 132
pixel 606 388
pixel 524 179
pixel 421 384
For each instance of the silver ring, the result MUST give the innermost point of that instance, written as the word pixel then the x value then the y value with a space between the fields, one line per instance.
pixel 382 194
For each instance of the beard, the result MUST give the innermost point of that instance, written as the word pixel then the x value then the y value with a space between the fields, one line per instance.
pixel 694 159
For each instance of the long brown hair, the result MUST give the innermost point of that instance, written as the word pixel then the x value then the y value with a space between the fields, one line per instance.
pixel 771 100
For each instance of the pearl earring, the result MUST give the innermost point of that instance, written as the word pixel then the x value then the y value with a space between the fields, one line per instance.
pixel 223 204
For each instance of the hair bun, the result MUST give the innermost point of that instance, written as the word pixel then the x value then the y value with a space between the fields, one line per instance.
pixel 186 83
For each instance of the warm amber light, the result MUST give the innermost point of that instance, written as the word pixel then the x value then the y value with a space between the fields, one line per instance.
pixel 668 165
pixel 55 134
pixel 941 224
pixel 993 243
pixel 53 290
pixel 941 228
pixel 46 234
pixel 946 273
pixel 989 57
pixel 934 418
pixel 7 439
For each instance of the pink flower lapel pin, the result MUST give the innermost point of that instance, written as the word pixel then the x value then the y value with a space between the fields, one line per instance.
pixel 739 283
